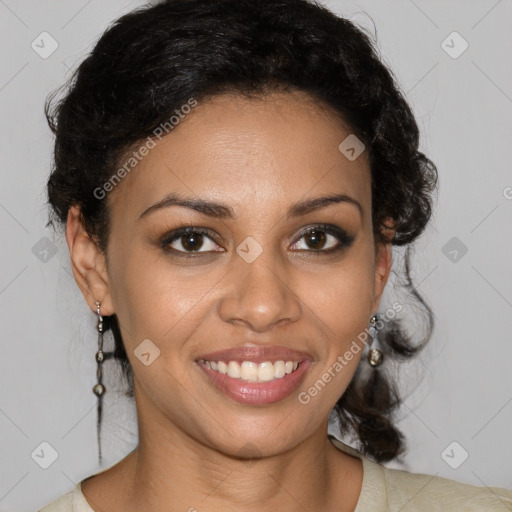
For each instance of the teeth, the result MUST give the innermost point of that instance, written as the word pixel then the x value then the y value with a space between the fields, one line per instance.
pixel 266 371
pixel 234 369
pixel 254 372
pixel 249 371
pixel 279 368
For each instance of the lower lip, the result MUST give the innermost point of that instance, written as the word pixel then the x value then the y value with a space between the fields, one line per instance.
pixel 257 393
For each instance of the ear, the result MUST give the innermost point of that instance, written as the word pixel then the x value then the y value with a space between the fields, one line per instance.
pixel 88 264
pixel 383 262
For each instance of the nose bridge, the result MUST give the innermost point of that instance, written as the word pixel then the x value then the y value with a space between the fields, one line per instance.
pixel 261 294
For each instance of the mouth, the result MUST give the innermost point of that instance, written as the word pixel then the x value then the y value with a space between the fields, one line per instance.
pixel 255 375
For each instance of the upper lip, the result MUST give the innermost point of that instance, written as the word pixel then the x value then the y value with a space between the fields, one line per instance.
pixel 257 354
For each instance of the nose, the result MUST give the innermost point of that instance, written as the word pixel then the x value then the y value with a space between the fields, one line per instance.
pixel 260 294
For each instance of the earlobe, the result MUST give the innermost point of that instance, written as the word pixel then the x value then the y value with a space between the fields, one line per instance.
pixel 88 264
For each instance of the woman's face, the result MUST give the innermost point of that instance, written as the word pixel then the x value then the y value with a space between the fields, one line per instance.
pixel 253 279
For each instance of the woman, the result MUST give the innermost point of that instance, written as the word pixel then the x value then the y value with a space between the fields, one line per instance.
pixel 232 176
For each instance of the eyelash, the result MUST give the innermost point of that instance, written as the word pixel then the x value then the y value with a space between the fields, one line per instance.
pixel 343 237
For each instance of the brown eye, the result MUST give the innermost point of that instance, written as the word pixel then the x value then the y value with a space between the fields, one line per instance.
pixel 323 239
pixel 190 240
pixel 315 239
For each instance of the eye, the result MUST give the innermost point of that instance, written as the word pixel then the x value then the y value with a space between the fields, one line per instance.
pixel 324 238
pixel 321 239
pixel 190 240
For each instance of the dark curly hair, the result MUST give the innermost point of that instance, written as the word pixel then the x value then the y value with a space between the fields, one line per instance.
pixel 154 59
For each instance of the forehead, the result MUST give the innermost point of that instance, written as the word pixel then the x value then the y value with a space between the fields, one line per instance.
pixel 253 153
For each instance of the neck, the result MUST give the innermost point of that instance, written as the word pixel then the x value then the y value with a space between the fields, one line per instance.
pixel 189 476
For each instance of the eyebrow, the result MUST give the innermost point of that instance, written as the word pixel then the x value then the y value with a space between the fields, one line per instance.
pixel 223 211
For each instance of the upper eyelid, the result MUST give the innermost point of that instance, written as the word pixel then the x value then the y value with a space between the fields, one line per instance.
pixel 176 233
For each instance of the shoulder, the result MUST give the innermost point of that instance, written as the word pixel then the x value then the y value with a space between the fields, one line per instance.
pixel 62 504
pixel 432 493
pixel 386 489
pixel 72 501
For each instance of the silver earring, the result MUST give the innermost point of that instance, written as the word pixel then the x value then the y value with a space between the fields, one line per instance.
pixel 99 389
pixel 375 356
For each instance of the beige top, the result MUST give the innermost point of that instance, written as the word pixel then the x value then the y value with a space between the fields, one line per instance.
pixel 383 490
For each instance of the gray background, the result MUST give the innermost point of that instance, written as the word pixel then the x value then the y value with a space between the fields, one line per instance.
pixel 463 106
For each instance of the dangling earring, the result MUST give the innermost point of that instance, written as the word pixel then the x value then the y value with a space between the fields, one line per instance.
pixel 375 356
pixel 99 389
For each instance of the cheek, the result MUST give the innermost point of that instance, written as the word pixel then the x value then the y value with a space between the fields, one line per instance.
pixel 342 296
pixel 157 299
pixel 341 309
